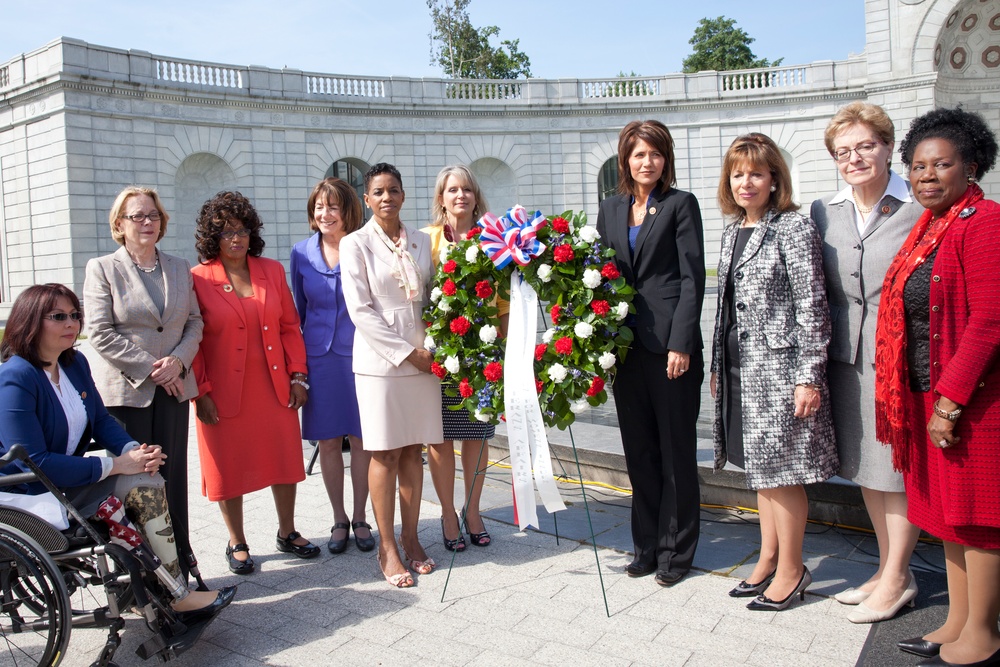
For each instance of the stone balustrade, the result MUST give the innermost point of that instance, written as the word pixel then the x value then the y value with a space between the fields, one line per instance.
pixel 68 56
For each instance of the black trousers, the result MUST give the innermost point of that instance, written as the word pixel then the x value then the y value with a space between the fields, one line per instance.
pixel 658 420
pixel 164 422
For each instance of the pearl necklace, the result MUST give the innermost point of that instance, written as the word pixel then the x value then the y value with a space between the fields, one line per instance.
pixel 863 210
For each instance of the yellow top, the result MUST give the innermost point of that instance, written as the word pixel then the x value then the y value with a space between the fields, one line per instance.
pixel 436 232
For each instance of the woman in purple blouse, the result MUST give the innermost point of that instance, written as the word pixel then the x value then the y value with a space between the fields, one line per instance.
pixel 332 410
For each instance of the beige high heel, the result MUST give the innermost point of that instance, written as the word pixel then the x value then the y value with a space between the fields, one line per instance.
pixel 403 580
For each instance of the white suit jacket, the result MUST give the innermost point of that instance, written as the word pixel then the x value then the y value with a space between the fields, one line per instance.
pixel 128 332
pixel 388 326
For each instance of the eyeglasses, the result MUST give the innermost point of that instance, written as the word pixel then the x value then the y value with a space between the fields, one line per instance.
pixel 139 218
pixel 230 234
pixel 76 316
pixel 867 148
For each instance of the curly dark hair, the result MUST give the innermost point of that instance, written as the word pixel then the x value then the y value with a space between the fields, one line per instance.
pixel 221 209
pixel 382 168
pixel 967 131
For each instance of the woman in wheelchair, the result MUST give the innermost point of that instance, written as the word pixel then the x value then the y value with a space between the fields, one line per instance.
pixel 49 404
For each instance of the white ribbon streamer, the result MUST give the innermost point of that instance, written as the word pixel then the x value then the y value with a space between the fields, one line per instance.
pixel 529 448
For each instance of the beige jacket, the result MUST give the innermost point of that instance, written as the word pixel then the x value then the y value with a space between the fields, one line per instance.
pixel 388 326
pixel 129 333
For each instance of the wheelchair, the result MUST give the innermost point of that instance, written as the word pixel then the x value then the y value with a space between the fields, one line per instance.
pixel 52 581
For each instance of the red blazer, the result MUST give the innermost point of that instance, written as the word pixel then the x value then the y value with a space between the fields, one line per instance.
pixel 965 363
pixel 219 364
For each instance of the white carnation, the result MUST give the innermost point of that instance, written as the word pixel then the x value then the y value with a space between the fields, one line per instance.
pixel 481 416
pixel 589 234
pixel 471 252
pixel 621 311
pixel 583 330
pixel 443 255
pixel 451 364
pixel 435 294
pixel 557 372
pixel 606 360
pixel 579 406
pixel 591 278
pixel 488 333
pixel 445 307
pixel 429 343
pixel 547 336
pixel 545 273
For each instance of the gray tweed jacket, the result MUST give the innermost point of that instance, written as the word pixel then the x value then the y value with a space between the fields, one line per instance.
pixel 783 326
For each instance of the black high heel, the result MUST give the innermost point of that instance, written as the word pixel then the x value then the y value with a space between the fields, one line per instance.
pixel 457 544
pixel 747 590
pixel 764 603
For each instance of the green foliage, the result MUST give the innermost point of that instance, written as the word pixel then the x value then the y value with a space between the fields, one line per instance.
pixel 721 46
pixel 465 52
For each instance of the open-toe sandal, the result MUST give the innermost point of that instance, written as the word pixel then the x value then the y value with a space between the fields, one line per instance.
pixel 403 580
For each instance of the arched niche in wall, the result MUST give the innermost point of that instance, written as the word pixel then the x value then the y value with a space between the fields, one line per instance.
pixel 353 171
pixel 199 178
pixel 497 182
pixel 607 179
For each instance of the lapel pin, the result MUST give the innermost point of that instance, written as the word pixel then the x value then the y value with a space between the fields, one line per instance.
pixel 227 288
pixel 967 212
pixel 886 209
pixel 414 246
pixel 652 211
pixel 83 394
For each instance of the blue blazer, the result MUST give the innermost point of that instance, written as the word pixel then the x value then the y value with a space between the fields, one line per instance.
pixel 319 298
pixel 31 416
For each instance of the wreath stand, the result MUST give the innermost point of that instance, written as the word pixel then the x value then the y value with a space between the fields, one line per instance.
pixel 463 524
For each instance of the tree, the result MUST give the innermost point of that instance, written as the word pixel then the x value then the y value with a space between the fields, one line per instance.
pixel 720 45
pixel 464 51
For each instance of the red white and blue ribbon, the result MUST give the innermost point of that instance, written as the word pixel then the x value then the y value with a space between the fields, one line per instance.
pixel 512 238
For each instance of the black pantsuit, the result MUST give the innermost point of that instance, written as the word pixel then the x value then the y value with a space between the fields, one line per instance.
pixel 165 423
pixel 658 416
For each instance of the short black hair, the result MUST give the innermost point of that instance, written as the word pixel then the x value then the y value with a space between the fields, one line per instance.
pixel 382 168
pixel 965 130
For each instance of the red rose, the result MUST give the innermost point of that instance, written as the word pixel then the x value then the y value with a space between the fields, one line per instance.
pixel 564 345
pixel 563 253
pixel 538 386
pixel 493 371
pixel 460 326
pixel 449 287
pixel 610 271
pixel 475 231
pixel 464 388
pixel 596 386
pixel 600 308
pixel 438 370
pixel 484 289
pixel 554 313
pixel 540 351
pixel 450 266
pixel 561 225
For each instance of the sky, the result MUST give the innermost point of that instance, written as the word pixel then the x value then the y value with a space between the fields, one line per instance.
pixel 578 39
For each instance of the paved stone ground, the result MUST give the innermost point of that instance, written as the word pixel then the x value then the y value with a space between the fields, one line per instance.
pixel 526 599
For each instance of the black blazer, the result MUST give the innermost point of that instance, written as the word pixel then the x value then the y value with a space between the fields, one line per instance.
pixel 668 271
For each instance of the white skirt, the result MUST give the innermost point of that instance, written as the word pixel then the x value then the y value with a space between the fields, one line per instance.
pixel 399 410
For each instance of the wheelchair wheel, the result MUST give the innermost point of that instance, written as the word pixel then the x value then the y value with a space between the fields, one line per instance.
pixel 35 614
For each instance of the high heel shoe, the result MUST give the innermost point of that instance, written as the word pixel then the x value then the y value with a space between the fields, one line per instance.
pixel 865 614
pixel 746 590
pixel 457 544
pixel 991 661
pixel 764 603
pixel 420 566
pixel 482 539
pixel 919 646
pixel 403 580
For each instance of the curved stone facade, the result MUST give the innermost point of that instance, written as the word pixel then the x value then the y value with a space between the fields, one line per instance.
pixel 79 121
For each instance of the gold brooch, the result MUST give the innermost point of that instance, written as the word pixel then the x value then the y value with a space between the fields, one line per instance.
pixel 227 288
pixel 83 394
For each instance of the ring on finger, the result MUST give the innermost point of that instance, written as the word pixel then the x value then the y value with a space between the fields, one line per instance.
pixel 942 444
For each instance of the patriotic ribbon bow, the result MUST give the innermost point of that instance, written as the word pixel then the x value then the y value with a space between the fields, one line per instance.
pixel 512 237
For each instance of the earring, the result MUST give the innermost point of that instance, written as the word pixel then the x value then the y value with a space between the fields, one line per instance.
pixel 774 188
pixel 971 179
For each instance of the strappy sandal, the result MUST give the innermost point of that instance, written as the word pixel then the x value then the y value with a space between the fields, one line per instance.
pixel 420 566
pixel 237 566
pixel 458 544
pixel 403 580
